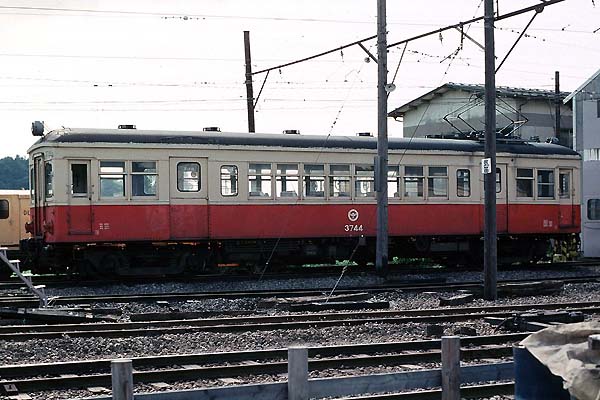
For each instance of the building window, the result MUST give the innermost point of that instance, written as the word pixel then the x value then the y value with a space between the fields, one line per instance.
pixel 593 209
pixel 591 154
pixel 564 185
pixel 393 181
pixel 112 179
pixel 79 180
pixel 143 178
pixel 463 183
pixel 364 184
pixel 413 182
pixel 598 108
pixel 286 182
pixel 524 182
pixel 188 177
pixel 259 178
pixel 437 182
pixel 339 180
pixel 545 184
pixel 48 178
pixel 4 209
pixel 314 180
pixel 229 180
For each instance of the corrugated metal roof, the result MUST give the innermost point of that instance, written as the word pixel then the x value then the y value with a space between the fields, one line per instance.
pixel 501 91
pixel 125 136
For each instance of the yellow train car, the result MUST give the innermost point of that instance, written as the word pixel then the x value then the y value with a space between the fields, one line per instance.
pixel 14 213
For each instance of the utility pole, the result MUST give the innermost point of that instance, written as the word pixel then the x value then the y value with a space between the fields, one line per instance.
pixel 381 161
pixel 249 89
pixel 557 102
pixel 490 235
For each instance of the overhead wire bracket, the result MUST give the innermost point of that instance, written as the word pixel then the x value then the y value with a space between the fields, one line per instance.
pixel 371 56
pixel 261 89
pixel 538 10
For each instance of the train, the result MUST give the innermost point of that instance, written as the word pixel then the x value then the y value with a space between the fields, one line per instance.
pixel 14 214
pixel 145 202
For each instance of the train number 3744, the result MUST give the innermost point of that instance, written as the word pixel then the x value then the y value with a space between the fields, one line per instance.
pixel 353 228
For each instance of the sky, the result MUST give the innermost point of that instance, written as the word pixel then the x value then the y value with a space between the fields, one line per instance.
pixel 179 64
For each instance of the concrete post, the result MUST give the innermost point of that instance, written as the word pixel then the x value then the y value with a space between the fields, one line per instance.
pixel 450 368
pixel 297 373
pixel 122 379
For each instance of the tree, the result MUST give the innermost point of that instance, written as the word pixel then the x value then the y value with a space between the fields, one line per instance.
pixel 14 173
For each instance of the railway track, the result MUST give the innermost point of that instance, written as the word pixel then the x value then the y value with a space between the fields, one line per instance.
pixel 400 271
pixel 406 285
pixel 171 368
pixel 268 323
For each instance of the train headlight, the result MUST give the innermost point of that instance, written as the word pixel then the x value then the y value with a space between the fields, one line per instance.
pixel 37 128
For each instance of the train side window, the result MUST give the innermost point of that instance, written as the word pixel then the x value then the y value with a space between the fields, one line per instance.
pixel 524 182
pixel 314 180
pixel 339 180
pixel 593 209
pixel 364 183
pixel 437 182
pixel 259 178
pixel 32 185
pixel 545 184
pixel 48 178
pixel 112 179
pixel 286 183
pixel 413 182
pixel 229 180
pixel 564 185
pixel 393 181
pixel 79 179
pixel 188 177
pixel 4 209
pixel 463 183
pixel 144 178
pixel 498 180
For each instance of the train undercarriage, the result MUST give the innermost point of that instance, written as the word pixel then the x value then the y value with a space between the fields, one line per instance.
pixel 256 256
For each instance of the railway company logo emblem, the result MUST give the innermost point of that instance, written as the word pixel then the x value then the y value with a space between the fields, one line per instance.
pixel 353 215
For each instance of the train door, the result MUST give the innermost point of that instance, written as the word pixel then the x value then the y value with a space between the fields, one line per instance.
pixel 38 194
pixel 79 212
pixel 188 212
pixel 566 198
pixel 501 199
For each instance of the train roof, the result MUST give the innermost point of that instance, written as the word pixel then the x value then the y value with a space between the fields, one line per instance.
pixel 126 136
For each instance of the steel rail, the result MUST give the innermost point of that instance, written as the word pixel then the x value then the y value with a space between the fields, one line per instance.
pixel 52 376
pixel 29 301
pixel 266 323
pixel 58 281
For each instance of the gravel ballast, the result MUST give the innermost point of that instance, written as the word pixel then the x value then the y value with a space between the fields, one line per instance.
pixel 73 348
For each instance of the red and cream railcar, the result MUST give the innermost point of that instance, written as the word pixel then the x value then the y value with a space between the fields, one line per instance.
pixel 132 201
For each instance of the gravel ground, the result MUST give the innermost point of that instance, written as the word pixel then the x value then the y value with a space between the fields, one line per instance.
pixel 71 349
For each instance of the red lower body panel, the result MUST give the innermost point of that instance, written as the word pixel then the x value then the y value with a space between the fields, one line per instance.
pixel 118 223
